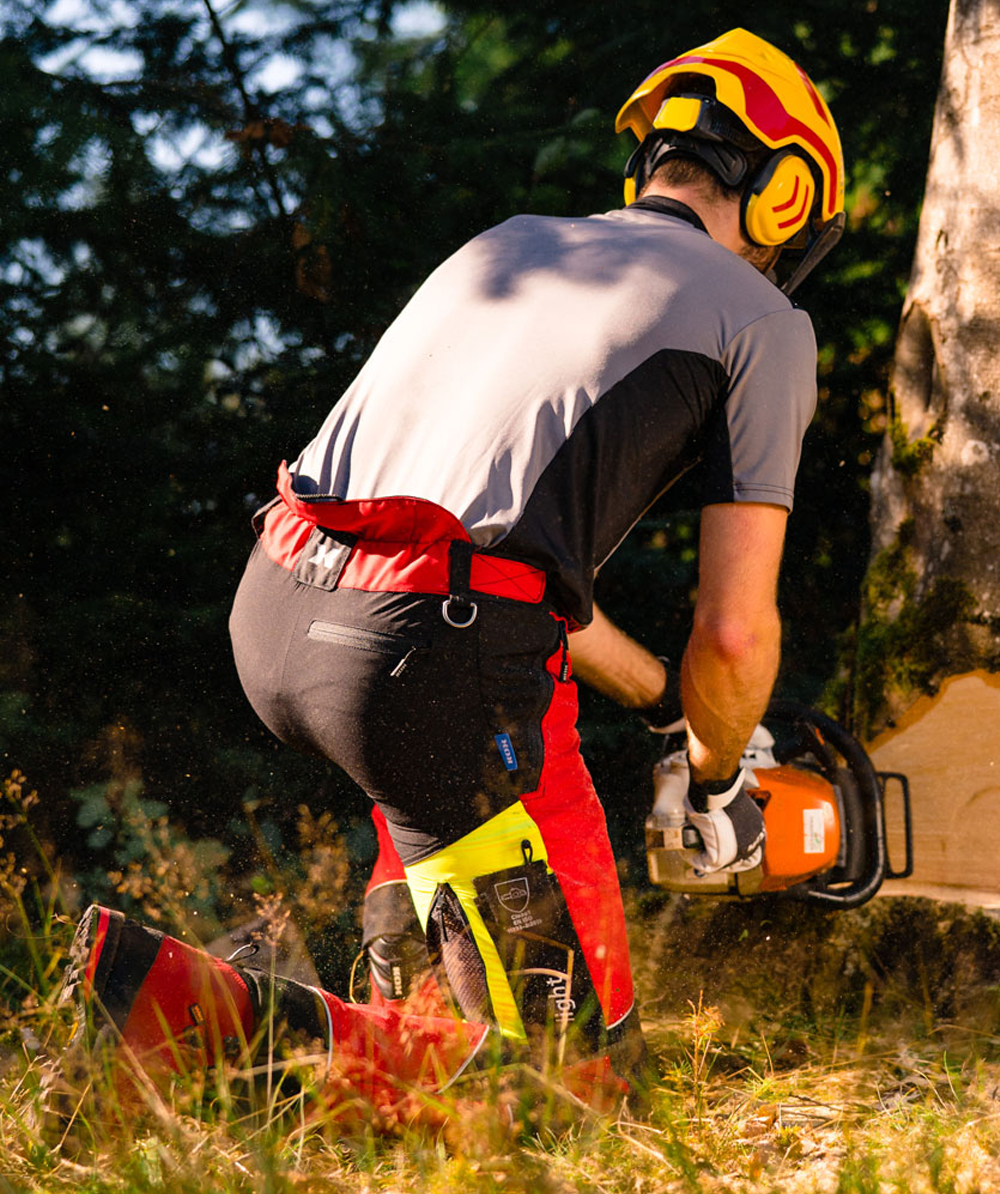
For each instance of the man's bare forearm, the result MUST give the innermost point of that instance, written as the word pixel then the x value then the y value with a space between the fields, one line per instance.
pixel 731 660
pixel 607 659
pixel 732 656
pixel 725 687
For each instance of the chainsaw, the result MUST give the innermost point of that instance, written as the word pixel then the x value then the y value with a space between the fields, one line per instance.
pixel 824 808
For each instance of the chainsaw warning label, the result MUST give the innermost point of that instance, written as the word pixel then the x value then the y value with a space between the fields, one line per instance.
pixel 813 831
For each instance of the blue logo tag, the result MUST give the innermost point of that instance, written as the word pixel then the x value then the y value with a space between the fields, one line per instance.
pixel 506 748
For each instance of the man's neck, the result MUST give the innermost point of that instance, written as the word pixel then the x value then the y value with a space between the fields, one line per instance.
pixel 720 216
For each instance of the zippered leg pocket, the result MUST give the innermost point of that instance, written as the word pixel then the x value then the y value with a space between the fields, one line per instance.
pixel 379 641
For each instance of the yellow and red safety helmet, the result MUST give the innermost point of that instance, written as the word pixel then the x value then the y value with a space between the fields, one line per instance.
pixel 795 199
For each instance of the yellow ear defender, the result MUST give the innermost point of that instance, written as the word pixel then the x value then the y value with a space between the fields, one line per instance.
pixel 630 190
pixel 777 204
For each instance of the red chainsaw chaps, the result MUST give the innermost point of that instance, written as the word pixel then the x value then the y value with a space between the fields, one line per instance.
pixel 389 1061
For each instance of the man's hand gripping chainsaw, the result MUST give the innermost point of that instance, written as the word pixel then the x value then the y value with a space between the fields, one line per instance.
pixel 728 821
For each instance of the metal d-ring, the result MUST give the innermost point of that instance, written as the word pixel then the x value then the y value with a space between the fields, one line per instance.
pixel 450 620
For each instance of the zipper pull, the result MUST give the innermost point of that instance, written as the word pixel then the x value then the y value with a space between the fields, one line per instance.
pixel 401 666
pixel 564 663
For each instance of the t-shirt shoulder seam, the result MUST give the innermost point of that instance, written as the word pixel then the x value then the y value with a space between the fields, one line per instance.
pixel 789 310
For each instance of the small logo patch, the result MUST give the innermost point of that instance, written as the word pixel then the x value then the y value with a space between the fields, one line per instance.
pixel 506 748
pixel 813 831
pixel 513 894
pixel 326 557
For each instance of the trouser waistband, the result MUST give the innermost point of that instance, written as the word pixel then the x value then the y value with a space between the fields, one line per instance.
pixel 396 544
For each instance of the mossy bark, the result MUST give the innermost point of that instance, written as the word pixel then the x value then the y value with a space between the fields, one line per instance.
pixel 931 601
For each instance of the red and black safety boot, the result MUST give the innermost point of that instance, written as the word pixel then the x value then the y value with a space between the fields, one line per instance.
pixel 164 1004
pixel 164 1007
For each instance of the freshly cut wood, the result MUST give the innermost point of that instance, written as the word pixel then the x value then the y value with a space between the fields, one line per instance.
pixel 949 747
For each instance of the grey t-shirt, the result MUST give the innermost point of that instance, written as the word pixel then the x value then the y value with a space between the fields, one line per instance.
pixel 554 376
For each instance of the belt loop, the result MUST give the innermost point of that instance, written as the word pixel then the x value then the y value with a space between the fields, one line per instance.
pixel 257 522
pixel 459 576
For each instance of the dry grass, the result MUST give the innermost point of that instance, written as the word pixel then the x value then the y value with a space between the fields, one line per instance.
pixel 798 1051
pixel 891 1120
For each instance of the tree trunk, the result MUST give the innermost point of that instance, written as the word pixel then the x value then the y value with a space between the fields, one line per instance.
pixel 931 602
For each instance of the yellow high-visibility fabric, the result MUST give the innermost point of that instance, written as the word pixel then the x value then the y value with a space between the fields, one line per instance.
pixel 492 846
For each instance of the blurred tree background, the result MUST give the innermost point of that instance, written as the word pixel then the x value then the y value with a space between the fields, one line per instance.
pixel 211 211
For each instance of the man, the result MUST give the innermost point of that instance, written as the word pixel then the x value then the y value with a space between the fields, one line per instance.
pixel 426 572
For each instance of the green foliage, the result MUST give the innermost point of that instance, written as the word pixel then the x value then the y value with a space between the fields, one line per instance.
pixel 99 814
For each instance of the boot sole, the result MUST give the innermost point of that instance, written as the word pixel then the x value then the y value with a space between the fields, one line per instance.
pixel 92 955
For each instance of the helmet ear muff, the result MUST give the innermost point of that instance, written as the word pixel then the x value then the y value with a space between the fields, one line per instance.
pixel 778 202
pixel 634 173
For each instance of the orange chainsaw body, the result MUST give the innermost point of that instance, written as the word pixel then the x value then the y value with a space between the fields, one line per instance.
pixel 802 819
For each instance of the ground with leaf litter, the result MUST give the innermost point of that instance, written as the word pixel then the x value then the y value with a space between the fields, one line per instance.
pixel 832 1051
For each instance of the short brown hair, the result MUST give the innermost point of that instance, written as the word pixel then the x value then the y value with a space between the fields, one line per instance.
pixel 684 171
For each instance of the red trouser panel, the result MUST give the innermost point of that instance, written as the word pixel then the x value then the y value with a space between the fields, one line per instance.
pixel 388 868
pixel 382 1054
pixel 390 1061
pixel 570 818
